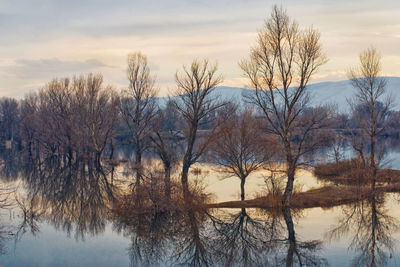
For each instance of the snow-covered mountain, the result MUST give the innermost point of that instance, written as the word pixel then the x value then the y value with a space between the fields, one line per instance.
pixel 338 93
pixel 335 93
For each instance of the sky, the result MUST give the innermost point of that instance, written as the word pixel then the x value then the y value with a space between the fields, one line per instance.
pixel 41 40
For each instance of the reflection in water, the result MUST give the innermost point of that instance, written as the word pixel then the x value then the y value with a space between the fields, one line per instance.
pixel 31 217
pixel 10 164
pixel 371 229
pixel 244 241
pixel 301 253
pixel 80 200
pixel 172 236
pixel 197 237
pixel 194 246
pixel 72 198
pixel 8 172
pixel 149 234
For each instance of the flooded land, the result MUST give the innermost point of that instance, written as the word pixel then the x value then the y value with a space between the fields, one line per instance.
pixel 86 216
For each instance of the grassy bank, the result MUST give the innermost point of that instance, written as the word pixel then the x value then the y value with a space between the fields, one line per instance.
pixel 352 172
pixel 325 197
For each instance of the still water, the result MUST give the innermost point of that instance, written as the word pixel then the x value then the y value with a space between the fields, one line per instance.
pixel 59 218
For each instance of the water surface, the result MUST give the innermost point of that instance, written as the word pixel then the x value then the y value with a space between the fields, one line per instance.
pixel 62 218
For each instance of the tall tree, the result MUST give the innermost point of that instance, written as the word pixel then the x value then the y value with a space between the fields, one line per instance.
pixel 99 111
pixel 138 105
pixel 279 69
pixel 370 89
pixel 195 104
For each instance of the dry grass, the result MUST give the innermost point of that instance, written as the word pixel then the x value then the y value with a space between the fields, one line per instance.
pixel 333 169
pixel 151 198
pixel 352 172
pixel 325 197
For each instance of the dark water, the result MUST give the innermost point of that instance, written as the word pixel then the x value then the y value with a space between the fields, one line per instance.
pixel 64 217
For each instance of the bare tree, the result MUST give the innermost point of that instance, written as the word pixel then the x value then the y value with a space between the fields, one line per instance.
pixel 195 105
pixel 279 69
pixel 138 105
pixel 29 121
pixel 370 88
pixel 55 131
pixel 99 111
pixel 238 147
pixel 69 119
pixel 9 120
pixel 165 139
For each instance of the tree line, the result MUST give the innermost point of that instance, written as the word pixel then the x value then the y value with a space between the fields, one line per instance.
pixel 82 119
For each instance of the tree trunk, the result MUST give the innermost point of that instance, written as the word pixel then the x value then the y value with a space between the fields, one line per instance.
pixel 184 181
pixel 375 222
pixel 187 159
pixel 242 181
pixel 167 179
pixel 373 179
pixel 291 236
pixel 69 156
pixel 30 148
pixel 138 167
pixel 98 159
pixel 112 150
pixel 289 186
pixel 373 164
pixel 112 175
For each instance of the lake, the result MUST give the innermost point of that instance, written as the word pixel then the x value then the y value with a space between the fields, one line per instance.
pixel 54 218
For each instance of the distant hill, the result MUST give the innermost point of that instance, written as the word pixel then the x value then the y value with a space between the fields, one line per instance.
pixel 338 92
pixel 335 93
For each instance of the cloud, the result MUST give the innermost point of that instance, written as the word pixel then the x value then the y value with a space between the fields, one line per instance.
pixel 28 74
pixel 49 20
pixel 173 32
pixel 28 68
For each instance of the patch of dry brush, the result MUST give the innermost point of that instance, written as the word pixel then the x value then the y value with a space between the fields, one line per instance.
pixel 325 197
pixel 352 172
pixel 151 197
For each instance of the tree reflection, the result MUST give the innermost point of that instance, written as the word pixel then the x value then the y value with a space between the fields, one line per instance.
pixel 80 200
pixel 149 234
pixel 159 236
pixel 10 164
pixel 246 241
pixel 371 228
pixel 300 253
pixel 6 203
pixel 194 245
pixel 188 235
pixel 74 198
pixel 262 241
